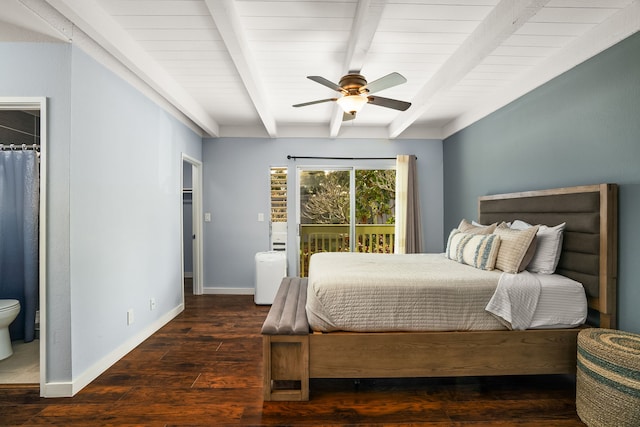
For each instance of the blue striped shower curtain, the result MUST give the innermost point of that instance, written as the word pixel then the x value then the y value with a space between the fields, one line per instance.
pixel 19 198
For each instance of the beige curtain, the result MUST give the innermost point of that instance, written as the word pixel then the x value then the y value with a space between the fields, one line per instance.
pixel 408 238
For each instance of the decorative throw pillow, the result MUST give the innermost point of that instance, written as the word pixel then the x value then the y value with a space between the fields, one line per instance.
pixel 477 250
pixel 515 248
pixel 549 246
pixel 450 251
pixel 466 227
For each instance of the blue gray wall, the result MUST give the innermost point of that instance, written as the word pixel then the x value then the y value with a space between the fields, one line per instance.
pixel 581 128
pixel 126 202
pixel 113 207
pixel 236 189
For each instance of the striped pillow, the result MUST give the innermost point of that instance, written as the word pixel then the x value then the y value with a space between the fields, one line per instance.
pixel 477 250
pixel 515 253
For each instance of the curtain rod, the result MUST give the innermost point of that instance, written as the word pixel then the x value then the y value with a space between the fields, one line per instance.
pixel 289 157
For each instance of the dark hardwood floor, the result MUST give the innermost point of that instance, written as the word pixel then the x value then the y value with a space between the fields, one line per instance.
pixel 204 368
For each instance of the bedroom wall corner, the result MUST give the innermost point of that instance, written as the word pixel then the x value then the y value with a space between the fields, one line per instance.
pixel 580 128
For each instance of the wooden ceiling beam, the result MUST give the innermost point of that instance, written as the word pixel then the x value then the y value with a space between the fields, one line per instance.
pixel 227 20
pixel 365 24
pixel 616 28
pixel 505 19
pixel 101 27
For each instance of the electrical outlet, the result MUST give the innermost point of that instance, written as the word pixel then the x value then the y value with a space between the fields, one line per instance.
pixel 130 316
pixel 152 304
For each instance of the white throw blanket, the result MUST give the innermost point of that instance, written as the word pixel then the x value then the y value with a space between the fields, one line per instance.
pixel 515 299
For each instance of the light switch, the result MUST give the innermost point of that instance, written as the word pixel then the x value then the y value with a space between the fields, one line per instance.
pixel 260 217
pixel 207 217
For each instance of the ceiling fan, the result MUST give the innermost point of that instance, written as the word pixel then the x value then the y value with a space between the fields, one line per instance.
pixel 355 93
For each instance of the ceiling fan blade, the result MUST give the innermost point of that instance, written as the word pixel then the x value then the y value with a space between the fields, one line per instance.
pixel 304 104
pixel 390 80
pixel 348 116
pixel 389 103
pixel 325 82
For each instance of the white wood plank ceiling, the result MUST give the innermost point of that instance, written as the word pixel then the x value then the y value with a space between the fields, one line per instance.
pixel 236 67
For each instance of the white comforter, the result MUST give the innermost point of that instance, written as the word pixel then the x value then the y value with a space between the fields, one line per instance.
pixel 381 292
pixel 428 292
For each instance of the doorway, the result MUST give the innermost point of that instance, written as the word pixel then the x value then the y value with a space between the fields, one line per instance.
pixel 191 225
pixel 26 129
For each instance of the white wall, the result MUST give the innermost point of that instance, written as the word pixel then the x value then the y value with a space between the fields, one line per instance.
pixel 236 189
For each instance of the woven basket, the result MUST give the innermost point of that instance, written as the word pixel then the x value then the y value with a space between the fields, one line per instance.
pixel 608 378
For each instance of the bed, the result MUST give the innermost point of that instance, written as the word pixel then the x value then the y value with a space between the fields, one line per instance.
pixel 369 292
pixel 588 256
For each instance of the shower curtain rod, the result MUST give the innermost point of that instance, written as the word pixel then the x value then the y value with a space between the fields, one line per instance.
pixel 289 157
pixel 16 147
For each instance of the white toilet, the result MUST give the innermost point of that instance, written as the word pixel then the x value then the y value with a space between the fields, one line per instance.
pixel 9 309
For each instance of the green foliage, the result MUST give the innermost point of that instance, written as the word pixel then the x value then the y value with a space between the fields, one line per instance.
pixel 325 197
pixel 375 196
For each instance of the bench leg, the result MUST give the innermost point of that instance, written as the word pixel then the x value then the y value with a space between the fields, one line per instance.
pixel 286 367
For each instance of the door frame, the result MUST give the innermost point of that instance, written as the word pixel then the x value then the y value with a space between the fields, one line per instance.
pixel 196 203
pixel 352 167
pixel 38 104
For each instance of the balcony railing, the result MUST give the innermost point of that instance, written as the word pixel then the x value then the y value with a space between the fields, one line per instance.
pixel 371 238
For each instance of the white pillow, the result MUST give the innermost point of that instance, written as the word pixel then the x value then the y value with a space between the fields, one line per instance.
pixel 549 246
pixel 477 224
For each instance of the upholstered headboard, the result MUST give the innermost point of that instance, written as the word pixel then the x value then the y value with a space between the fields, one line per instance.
pixel 589 249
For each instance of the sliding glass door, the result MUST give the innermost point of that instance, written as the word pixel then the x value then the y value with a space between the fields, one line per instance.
pixel 324 213
pixel 344 210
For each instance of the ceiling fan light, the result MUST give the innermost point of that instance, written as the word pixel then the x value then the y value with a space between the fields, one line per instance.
pixel 352 103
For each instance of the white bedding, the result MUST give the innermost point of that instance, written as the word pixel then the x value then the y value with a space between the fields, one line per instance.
pixel 562 303
pixel 515 299
pixel 417 292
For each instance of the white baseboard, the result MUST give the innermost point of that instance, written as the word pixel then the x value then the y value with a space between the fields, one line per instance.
pixel 218 290
pixel 57 390
pixel 71 388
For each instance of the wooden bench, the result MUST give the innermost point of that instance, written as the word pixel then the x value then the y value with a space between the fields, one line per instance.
pixel 285 340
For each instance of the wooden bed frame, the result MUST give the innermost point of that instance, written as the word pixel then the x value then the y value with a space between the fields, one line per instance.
pixel 589 255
